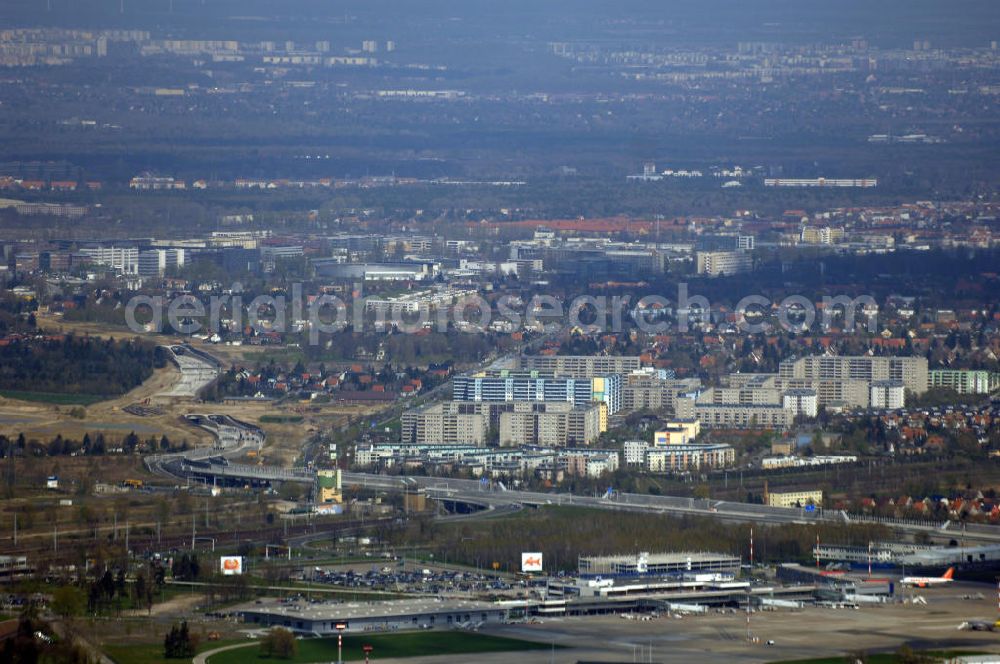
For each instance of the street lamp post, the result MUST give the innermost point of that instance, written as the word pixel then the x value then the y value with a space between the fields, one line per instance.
pixel 340 627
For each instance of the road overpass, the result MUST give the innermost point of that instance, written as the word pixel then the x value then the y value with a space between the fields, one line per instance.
pixel 216 470
pixel 476 493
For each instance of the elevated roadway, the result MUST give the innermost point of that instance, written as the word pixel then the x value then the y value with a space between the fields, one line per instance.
pixel 476 493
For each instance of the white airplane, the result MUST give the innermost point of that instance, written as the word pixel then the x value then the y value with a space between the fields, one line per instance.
pixel 925 581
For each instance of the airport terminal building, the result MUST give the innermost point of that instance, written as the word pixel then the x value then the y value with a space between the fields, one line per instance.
pixel 322 618
pixel 657 564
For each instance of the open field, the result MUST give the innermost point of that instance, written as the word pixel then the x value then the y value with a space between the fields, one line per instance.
pixel 152 653
pixel 44 420
pixel 52 397
pixel 411 644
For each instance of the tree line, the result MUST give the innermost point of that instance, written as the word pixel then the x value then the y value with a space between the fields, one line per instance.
pixel 96 445
pixel 564 534
pixel 77 365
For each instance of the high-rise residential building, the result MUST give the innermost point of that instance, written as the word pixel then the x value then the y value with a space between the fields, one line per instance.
pixel 963 381
pixel 446 423
pixel 649 392
pixel 821 235
pixel 738 416
pixel 887 394
pixel 634 452
pixel 911 372
pixel 725 242
pixel 155 262
pixel 124 259
pixel 507 385
pixel 552 424
pixel 723 263
pixel 580 366
pixel 801 401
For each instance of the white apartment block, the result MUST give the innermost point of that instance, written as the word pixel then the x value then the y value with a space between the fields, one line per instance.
pixel 801 402
pixel 597 466
pixel 446 423
pixel 965 381
pixel 910 371
pixel 887 394
pixel 722 263
pixel 155 262
pixel 549 424
pixel 689 457
pixel 580 366
pixel 634 452
pixel 649 392
pixel 421 301
pixel 735 415
pixel 122 259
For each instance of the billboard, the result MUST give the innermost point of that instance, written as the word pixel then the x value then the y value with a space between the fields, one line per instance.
pixel 231 565
pixel 531 562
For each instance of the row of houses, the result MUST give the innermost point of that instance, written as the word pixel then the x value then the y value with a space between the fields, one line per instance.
pixel 14 183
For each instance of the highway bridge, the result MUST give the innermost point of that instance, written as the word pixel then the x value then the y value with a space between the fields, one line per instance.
pixel 476 493
pixel 214 465
pixel 218 470
pixel 233 440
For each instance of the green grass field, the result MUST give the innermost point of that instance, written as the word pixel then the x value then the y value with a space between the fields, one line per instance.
pixel 54 397
pixel 152 653
pixel 406 644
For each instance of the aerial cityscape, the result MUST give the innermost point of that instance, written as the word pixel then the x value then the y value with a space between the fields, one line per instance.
pixel 448 331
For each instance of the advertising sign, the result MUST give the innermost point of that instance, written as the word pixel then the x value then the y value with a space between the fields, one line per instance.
pixel 531 562
pixel 232 565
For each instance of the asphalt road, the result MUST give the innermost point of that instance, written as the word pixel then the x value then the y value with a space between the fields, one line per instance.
pixel 473 492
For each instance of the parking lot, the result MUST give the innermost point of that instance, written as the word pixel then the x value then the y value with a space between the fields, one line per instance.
pixel 393 577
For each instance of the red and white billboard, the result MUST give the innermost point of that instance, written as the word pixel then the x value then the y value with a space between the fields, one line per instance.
pixel 531 562
pixel 231 565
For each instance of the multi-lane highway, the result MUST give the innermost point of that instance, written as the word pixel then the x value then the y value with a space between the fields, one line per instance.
pixel 197 370
pixel 233 439
pixel 492 496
